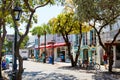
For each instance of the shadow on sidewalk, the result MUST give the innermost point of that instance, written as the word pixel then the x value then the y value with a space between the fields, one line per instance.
pixel 98 75
pixel 47 76
pixel 107 76
pixel 76 68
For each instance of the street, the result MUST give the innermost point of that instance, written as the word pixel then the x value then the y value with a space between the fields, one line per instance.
pixel 58 71
pixel 61 71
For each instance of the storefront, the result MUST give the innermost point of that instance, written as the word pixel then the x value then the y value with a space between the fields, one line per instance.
pixel 116 53
pixel 88 53
pixel 58 48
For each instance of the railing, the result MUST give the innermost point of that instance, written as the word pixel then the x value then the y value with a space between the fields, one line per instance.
pixel 108 36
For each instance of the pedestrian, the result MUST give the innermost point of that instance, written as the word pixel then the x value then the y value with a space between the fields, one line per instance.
pixel 3 64
pixel 105 60
pixel 44 57
pixel 7 63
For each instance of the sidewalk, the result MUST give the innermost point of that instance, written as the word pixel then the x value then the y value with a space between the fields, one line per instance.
pixel 110 76
pixel 99 75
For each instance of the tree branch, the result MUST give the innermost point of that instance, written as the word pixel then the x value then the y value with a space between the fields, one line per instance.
pixel 101 27
pixel 27 4
pixel 43 4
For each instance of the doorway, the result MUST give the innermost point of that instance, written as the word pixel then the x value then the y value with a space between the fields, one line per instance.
pixel 85 55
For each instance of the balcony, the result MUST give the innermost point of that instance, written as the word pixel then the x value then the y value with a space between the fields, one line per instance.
pixel 108 36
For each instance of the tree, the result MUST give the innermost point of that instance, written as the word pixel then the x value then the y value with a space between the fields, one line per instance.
pixel 29 7
pixel 4 15
pixel 81 26
pixel 105 13
pixel 67 24
pixel 63 25
pixel 37 31
pixel 46 30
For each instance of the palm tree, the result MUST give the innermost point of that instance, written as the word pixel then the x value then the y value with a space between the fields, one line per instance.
pixel 46 30
pixel 37 31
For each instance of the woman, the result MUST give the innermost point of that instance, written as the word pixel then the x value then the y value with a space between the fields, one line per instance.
pixel 105 60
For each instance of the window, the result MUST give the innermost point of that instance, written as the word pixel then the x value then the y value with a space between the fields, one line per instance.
pixel 92 37
pixel 58 52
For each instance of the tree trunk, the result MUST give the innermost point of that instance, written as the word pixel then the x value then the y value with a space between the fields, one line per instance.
pixel 110 55
pixel 110 61
pixel 20 70
pixel 70 55
pixel 45 48
pixel 80 40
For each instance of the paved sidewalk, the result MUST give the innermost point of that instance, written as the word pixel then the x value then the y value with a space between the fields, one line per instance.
pixel 63 71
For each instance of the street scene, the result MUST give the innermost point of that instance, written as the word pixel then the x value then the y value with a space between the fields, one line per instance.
pixel 59 40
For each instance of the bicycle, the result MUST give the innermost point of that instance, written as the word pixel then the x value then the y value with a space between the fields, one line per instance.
pixel 93 66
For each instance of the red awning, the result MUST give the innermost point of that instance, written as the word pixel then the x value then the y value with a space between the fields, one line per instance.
pixel 47 46
pixel 51 45
pixel 59 44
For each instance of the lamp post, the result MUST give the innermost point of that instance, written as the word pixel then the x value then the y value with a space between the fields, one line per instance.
pixel 17 13
pixel 53 41
pixel 45 53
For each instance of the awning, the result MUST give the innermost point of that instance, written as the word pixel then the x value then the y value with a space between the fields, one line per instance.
pixel 47 46
pixel 52 45
pixel 59 44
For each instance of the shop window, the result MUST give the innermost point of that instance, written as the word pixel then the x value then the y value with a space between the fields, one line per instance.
pixel 62 49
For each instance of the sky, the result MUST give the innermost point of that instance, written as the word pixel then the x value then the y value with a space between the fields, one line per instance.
pixel 44 15
pixel 47 12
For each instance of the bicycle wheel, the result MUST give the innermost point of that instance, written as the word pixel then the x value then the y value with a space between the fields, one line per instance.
pixel 97 66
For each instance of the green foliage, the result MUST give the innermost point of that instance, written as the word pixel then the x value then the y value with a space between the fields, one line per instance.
pixel 64 23
pixel 41 30
pixel 101 10
pixel 37 31
pixel 46 28
pixel 8 45
pixel 24 43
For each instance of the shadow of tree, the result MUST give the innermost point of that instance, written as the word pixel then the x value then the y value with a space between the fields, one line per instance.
pixel 69 68
pixel 107 76
pixel 98 75
pixel 47 76
pixel 76 68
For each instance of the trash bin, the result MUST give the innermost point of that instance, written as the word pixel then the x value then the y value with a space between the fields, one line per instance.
pixel 50 59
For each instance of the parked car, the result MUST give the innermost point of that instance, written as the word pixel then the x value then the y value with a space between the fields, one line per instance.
pixel 9 58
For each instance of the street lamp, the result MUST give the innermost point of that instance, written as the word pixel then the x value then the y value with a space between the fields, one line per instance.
pixel 17 13
pixel 53 42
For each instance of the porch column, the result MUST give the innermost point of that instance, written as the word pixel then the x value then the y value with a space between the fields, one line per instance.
pixel 114 54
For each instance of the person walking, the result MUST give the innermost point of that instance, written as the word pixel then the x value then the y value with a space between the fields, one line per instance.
pixel 105 60
pixel 44 57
